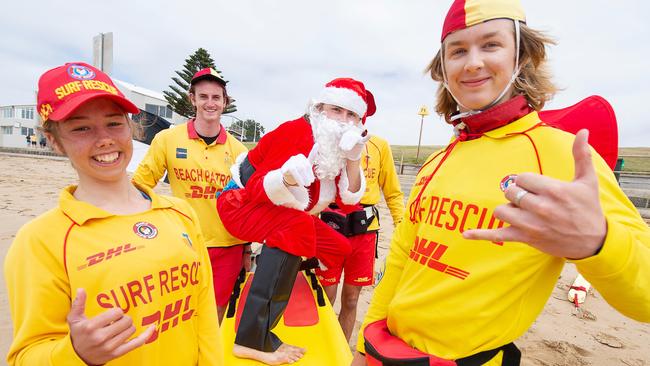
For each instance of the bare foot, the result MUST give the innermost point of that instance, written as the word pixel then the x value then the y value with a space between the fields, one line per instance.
pixel 284 354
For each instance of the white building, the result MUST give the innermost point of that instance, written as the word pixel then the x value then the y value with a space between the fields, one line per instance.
pixel 19 121
pixel 150 101
pixel 16 123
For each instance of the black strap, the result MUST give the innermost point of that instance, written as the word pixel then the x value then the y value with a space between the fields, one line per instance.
pixel 320 297
pixel 236 291
pixel 309 263
pixel 385 361
pixel 511 356
pixel 246 170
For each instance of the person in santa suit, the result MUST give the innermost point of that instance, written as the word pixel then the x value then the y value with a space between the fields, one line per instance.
pixel 293 173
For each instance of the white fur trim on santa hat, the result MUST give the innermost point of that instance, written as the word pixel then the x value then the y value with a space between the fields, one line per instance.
pixel 292 197
pixel 343 97
pixel 351 198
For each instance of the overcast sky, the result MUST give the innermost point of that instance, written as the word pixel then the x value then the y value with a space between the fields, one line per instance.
pixel 278 54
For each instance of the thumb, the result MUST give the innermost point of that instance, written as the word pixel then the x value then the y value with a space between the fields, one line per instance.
pixel 78 308
pixel 584 168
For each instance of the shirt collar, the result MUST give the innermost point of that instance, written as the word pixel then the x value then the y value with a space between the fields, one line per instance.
pixel 522 124
pixel 80 211
pixel 495 117
pixel 192 134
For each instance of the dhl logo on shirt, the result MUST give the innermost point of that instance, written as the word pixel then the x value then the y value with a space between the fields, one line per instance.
pixel 168 318
pixel 429 253
pixel 107 255
pixel 77 86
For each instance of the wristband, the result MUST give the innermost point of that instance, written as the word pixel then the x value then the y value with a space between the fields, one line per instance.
pixel 284 181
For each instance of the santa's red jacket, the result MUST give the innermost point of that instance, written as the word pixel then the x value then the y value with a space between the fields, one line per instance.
pixel 266 210
pixel 273 150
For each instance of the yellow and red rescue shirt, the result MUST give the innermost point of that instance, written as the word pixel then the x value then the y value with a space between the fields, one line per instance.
pixel 153 265
pixel 196 171
pixel 452 297
pixel 379 169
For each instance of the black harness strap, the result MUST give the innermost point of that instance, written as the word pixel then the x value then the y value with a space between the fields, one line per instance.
pixel 511 356
pixel 246 170
pixel 232 302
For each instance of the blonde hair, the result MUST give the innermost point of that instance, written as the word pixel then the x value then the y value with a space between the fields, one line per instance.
pixel 534 81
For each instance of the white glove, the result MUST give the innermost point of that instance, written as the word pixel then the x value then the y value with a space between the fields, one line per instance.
pixel 352 143
pixel 298 169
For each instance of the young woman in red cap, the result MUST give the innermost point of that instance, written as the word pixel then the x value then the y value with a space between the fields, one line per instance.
pixel 295 172
pixel 116 274
pixel 494 216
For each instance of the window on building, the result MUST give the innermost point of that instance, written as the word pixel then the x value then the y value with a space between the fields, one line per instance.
pixel 159 110
pixel 27 113
pixel 151 108
pixel 7 130
pixel 7 112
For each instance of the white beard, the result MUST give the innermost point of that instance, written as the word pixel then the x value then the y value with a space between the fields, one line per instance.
pixel 327 134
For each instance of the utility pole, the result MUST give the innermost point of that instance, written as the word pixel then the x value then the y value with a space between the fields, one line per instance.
pixel 423 112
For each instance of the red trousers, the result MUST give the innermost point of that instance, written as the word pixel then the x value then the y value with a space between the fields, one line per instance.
pixel 293 231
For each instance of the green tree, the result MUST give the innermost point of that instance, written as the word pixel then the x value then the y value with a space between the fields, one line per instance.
pixel 178 97
pixel 252 129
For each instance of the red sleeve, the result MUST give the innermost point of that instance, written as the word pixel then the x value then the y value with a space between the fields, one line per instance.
pixel 273 150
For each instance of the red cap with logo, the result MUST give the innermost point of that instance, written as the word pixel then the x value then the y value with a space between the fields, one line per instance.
pixel 63 89
pixel 208 74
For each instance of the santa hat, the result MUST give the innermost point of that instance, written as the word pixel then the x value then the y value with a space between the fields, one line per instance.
pixel 466 13
pixel 349 94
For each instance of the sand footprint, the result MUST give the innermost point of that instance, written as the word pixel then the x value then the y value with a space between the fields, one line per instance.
pixel 608 340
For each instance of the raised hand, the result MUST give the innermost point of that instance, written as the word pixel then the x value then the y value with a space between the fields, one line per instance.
pixel 298 171
pixel 352 143
pixel 563 219
pixel 102 338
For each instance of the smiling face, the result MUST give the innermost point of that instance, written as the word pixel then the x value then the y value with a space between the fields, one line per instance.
pixel 97 140
pixel 479 62
pixel 209 100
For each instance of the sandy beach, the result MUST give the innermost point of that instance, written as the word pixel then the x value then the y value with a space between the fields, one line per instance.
pixel 596 335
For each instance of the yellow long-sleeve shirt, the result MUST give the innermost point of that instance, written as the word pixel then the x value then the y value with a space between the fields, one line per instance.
pixel 196 172
pixel 153 265
pixel 379 168
pixel 453 297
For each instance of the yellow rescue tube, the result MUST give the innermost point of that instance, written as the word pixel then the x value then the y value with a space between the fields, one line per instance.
pixel 308 322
